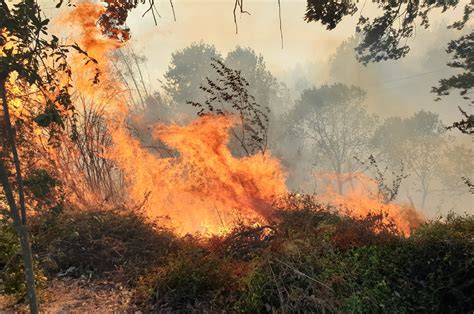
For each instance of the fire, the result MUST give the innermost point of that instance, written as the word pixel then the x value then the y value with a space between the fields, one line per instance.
pixel 363 199
pixel 201 186
pixel 204 187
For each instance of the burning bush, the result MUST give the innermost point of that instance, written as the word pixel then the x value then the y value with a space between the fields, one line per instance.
pixel 314 260
pixel 308 258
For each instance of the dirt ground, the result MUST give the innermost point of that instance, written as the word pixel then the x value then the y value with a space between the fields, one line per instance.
pixel 76 296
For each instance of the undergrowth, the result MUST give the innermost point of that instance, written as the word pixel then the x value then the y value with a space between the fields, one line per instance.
pixel 307 259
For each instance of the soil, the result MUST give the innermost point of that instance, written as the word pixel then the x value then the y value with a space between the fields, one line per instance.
pixel 68 295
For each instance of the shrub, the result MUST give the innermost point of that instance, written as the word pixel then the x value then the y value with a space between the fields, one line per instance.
pixel 12 277
pixel 194 279
pixel 101 243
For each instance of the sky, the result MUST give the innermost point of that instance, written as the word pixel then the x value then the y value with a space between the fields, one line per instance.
pixel 212 21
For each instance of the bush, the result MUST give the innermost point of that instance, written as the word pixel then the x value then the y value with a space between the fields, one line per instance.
pixel 307 259
pixel 12 276
pixel 193 279
pixel 100 243
pixel 419 274
pixel 312 260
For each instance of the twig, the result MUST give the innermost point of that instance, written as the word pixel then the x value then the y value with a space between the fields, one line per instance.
pixel 281 28
pixel 240 4
pixel 172 8
pixel 304 275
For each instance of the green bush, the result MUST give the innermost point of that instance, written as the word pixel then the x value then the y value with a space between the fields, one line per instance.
pixel 193 279
pixel 307 259
pixel 431 271
pixel 312 260
pixel 100 243
pixel 12 277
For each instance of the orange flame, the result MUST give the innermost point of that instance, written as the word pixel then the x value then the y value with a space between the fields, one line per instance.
pixel 363 199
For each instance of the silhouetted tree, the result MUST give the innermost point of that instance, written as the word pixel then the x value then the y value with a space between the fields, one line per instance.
pixel 462 51
pixel 385 36
pixel 262 84
pixel 24 52
pixel 458 162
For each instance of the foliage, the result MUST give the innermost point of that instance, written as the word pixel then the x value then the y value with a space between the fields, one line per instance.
pixel 416 142
pixel 463 59
pixel 26 50
pixel 194 280
pixel 334 123
pixel 12 276
pixel 261 83
pixel 307 259
pixel 329 13
pixel 229 94
pixel 427 272
pixel 457 162
pixel 45 191
pixel 387 191
pixel 310 259
pixel 100 244
pixel 385 36
pixel 38 65
pixel 466 125
pixel 188 69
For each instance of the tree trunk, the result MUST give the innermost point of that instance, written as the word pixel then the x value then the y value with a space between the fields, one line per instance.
pixel 339 183
pixel 28 264
pixel 22 231
pixel 19 216
pixel 423 198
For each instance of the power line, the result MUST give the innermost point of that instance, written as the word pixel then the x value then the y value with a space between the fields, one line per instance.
pixel 408 77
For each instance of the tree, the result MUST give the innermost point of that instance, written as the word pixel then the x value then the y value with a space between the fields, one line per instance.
pixel 462 51
pixel 416 142
pixel 383 37
pixel 262 84
pixel 265 87
pixel 458 161
pixel 35 63
pixel 22 50
pixel 187 72
pixel 228 94
pixel 334 122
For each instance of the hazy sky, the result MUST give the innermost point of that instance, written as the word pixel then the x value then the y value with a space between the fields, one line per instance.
pixel 212 21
